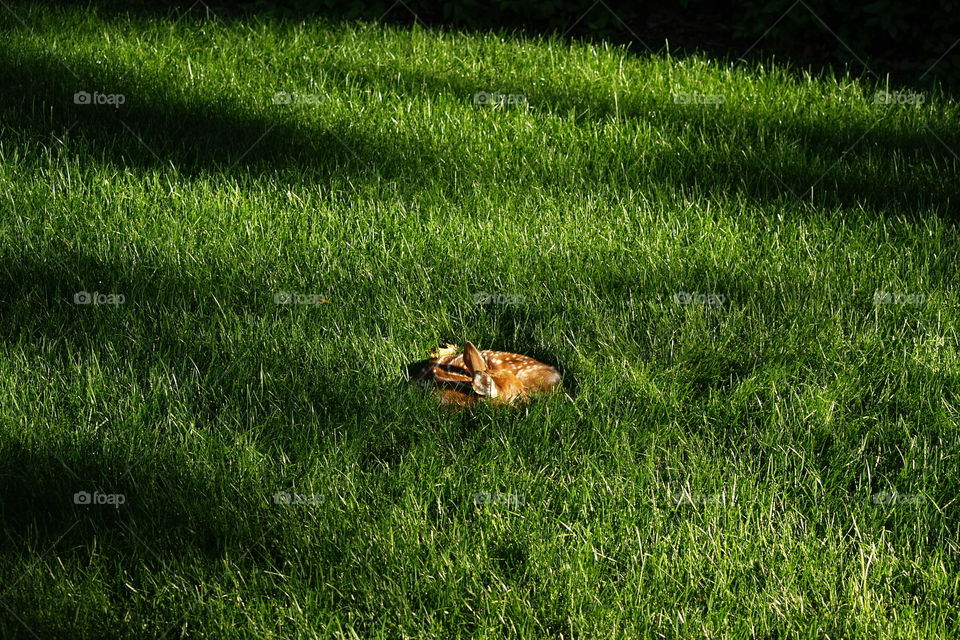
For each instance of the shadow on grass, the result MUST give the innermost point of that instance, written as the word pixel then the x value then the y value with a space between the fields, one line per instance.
pixel 653 27
pixel 788 157
pixel 200 137
pixel 782 156
pixel 171 519
pixel 180 494
pixel 159 129
pixel 186 509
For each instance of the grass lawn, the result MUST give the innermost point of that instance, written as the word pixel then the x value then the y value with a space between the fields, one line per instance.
pixel 747 275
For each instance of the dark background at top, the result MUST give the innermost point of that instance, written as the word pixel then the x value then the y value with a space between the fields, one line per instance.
pixel 913 43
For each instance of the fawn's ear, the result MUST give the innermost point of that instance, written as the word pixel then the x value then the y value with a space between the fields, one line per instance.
pixel 472 359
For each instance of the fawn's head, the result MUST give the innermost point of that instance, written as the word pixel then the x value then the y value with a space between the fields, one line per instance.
pixel 495 383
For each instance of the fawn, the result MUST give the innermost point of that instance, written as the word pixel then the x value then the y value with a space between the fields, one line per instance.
pixel 463 379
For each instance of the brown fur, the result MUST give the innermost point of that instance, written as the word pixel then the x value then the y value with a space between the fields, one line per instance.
pixel 498 376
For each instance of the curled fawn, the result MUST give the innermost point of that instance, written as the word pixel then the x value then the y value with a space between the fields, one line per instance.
pixel 463 379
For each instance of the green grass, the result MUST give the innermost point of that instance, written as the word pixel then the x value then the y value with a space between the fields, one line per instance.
pixel 714 471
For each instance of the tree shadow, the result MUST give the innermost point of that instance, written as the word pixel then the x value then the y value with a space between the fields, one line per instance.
pixel 721 30
pixel 791 156
pixel 156 128
pixel 173 503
